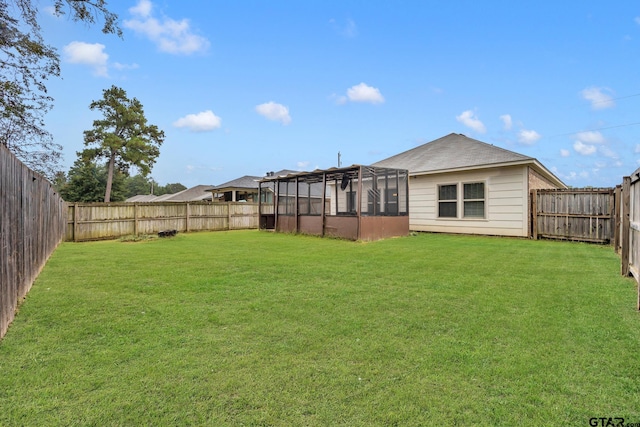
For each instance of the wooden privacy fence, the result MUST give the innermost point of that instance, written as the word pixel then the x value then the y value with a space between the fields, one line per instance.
pixel 32 224
pixel 586 215
pixel 630 228
pixel 99 221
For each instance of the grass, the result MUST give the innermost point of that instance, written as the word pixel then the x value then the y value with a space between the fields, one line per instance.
pixel 254 328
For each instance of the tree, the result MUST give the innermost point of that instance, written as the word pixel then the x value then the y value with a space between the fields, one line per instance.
pixel 173 188
pixel 87 182
pixel 122 137
pixel 26 62
pixel 138 184
pixel 59 180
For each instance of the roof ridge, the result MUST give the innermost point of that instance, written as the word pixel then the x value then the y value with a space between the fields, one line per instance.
pixel 452 151
pixel 495 146
pixel 440 140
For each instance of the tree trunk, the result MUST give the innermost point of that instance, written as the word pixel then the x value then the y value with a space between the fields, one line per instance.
pixel 112 162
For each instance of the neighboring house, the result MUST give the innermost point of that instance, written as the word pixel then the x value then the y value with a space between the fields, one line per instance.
pixel 461 185
pixel 244 188
pixel 141 198
pixel 199 193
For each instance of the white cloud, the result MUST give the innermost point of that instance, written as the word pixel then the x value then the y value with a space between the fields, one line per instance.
pixel 200 122
pixel 587 143
pixel 469 119
pixel 119 66
pixel 565 153
pixel 349 30
pixel 142 9
pixel 528 137
pixel 599 97
pixel 507 121
pixel 584 149
pixel 341 100
pixel 591 137
pixel 637 20
pixel 169 35
pixel 275 112
pixel 608 152
pixel 364 93
pixel 303 165
pixel 89 54
pixel 637 148
pixel 572 176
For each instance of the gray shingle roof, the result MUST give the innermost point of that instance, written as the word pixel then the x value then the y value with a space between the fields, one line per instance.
pixel 454 151
pixel 193 194
pixel 247 181
pixel 141 198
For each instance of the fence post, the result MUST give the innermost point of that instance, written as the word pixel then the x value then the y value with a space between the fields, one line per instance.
pixel 534 214
pixel 186 226
pixel 617 217
pixel 228 215
pixel 75 222
pixel 135 219
pixel 626 199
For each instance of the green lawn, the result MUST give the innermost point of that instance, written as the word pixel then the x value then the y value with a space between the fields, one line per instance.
pixel 256 328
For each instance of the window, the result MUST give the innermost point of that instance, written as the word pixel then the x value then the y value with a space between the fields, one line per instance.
pixel 448 201
pixel 474 200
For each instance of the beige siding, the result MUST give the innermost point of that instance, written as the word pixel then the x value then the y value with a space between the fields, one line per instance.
pixel 506 202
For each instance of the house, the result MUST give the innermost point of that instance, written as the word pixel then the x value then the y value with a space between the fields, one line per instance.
pixel 461 185
pixel 244 188
pixel 199 193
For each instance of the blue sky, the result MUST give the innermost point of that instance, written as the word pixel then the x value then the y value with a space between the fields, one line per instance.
pixel 246 87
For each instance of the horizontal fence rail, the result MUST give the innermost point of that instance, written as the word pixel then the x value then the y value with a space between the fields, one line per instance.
pixel 586 215
pixel 32 224
pixel 101 221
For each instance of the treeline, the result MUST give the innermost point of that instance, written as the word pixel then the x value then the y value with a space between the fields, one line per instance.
pixel 87 181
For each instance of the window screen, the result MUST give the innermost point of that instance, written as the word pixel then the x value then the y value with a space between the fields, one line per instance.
pixel 474 200
pixel 447 201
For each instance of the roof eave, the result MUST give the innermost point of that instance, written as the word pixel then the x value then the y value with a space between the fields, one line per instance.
pixel 225 189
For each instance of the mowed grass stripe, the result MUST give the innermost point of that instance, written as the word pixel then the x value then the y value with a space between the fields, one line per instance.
pixel 254 328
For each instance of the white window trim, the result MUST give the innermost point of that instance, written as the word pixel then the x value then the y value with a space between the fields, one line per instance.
pixel 460 201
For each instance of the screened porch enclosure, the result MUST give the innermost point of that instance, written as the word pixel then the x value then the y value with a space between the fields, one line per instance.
pixel 356 203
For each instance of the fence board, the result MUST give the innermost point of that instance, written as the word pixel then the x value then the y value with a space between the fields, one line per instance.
pixel 574 214
pixel 99 221
pixel 32 224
